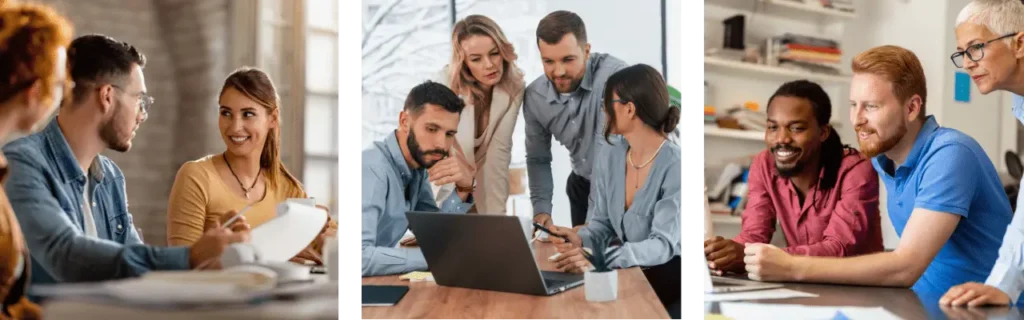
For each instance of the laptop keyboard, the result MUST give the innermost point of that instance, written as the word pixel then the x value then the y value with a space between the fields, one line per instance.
pixel 553 283
pixel 555 280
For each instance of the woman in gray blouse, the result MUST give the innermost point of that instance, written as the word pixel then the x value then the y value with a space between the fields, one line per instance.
pixel 635 193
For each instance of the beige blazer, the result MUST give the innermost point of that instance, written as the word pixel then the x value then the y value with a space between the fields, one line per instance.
pixel 492 183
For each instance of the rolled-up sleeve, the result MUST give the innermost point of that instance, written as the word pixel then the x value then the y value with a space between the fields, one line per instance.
pixel 61 249
pixel 538 158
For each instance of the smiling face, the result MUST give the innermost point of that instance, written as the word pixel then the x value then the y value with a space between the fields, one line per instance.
pixel 996 69
pixel 483 59
pixel 878 116
pixel 244 124
pixel 793 135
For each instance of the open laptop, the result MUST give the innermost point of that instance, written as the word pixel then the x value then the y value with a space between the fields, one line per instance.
pixel 716 284
pixel 487 252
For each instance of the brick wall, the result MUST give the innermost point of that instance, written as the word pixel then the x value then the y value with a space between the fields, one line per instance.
pixel 186 43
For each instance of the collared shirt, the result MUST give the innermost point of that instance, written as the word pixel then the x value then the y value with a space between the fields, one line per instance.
pixel 948 171
pixel 649 229
pixel 1008 272
pixel 838 222
pixel 575 120
pixel 390 189
pixel 45 189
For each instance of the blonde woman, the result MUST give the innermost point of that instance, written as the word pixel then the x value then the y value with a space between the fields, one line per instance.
pixel 484 73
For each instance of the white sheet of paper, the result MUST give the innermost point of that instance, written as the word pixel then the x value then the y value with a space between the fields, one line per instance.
pixel 780 293
pixel 294 228
pixel 745 310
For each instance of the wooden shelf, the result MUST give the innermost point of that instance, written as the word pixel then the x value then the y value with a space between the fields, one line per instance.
pixel 715 63
pixel 726 219
pixel 812 6
pixel 713 131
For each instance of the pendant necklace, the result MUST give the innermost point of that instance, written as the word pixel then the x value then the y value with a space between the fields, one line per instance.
pixel 629 157
pixel 223 155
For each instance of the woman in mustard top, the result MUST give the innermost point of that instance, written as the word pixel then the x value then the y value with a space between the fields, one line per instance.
pixel 248 174
pixel 33 78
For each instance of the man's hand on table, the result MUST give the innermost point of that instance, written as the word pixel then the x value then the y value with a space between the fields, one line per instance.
pixel 724 255
pixel 765 262
pixel 973 294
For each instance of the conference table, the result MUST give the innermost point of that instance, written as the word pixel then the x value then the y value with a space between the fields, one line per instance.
pixel 902 302
pixel 427 299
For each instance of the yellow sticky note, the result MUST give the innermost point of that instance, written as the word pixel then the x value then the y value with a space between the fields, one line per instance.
pixel 710 316
pixel 417 276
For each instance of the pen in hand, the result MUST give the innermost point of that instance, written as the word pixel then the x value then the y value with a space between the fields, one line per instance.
pixel 227 224
pixel 542 228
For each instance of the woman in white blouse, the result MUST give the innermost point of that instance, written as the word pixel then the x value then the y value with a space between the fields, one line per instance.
pixel 483 72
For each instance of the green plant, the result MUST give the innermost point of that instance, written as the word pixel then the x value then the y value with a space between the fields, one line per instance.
pixel 675 98
pixel 601 258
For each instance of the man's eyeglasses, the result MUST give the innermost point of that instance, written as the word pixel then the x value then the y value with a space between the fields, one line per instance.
pixel 145 100
pixel 974 52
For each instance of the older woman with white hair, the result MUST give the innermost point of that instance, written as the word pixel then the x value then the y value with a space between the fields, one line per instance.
pixel 990 47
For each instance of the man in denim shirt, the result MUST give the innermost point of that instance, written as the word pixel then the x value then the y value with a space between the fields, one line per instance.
pixel 397 173
pixel 69 200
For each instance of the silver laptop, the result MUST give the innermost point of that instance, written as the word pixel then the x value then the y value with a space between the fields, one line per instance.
pixel 716 284
pixel 488 252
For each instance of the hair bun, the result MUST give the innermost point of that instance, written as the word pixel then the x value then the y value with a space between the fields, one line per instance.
pixel 671 119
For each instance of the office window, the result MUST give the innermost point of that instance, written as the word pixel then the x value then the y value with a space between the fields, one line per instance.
pixel 404 44
pixel 297 46
pixel 321 101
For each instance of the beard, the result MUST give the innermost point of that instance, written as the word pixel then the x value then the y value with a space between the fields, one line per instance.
pixel 872 148
pixel 114 138
pixel 788 170
pixel 573 84
pixel 418 153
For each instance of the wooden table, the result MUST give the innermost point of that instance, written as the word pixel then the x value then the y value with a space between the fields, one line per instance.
pixel 426 299
pixel 902 302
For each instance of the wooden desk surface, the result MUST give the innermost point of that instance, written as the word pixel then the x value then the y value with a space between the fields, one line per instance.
pixel 902 302
pixel 428 300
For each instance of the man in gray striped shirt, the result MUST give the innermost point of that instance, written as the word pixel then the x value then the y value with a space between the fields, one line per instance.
pixel 565 103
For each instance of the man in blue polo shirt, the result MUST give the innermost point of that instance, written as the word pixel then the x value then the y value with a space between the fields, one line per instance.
pixel 945 199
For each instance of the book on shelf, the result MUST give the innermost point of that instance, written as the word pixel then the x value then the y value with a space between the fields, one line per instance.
pixel 804 53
